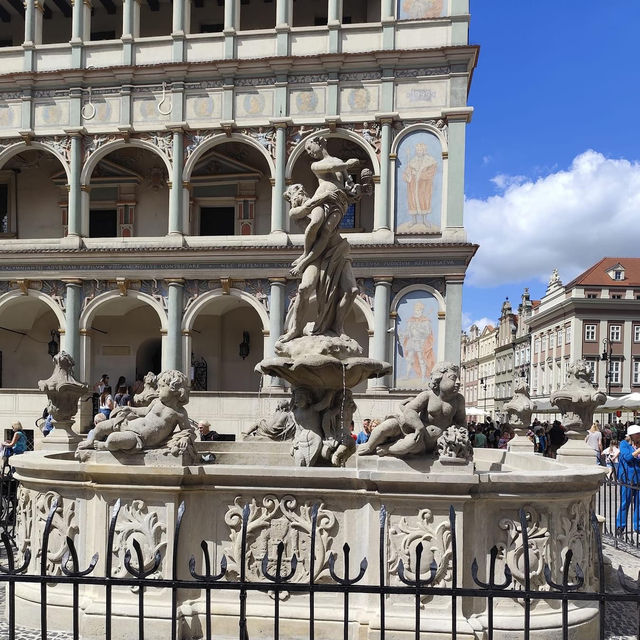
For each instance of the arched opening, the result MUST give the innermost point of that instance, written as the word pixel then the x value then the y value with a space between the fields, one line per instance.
pixel 156 18
pixel 129 195
pixel 207 16
pixel 26 326
pixel 257 14
pixel 149 357
pixel 106 21
pixel 125 334
pixel 359 216
pixel 358 11
pixel 33 196
pixel 57 21
pixel 219 329
pixel 231 191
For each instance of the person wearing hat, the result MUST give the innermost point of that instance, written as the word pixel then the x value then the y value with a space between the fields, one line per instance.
pixel 629 476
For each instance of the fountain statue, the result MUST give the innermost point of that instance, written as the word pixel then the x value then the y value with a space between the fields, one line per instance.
pixel 519 411
pixel 322 363
pixel 63 392
pixel 577 401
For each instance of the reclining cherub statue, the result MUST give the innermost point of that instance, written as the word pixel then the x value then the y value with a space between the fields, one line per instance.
pixel 421 420
pixel 150 427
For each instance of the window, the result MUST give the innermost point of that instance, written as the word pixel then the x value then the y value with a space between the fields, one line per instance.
pixel 567 335
pixel 591 295
pixel 552 340
pixel 544 343
pixel 536 345
pixel 349 218
pixel 616 296
pixel 590 332
pixel 591 366
pixel 217 221
pixel 618 274
pixel 614 371
pixel 636 372
pixel 636 333
pixel 103 223
pixel 615 331
pixel 559 337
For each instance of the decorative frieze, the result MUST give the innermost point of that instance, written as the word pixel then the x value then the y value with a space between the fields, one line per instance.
pixel 422 72
pixel 261 81
pixel 265 137
pixel 93 143
pixel 59 144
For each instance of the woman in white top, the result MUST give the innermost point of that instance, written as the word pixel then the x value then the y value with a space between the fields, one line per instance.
pixel 106 402
pixel 594 440
pixel 611 454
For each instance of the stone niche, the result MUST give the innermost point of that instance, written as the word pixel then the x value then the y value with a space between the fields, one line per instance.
pixel 417 495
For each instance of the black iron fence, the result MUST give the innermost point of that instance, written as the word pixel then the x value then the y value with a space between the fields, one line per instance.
pixel 618 504
pixel 278 574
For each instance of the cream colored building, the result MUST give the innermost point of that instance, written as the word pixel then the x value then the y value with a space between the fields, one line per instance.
pixel 144 150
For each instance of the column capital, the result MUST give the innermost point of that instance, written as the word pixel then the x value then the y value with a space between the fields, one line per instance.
pixel 177 127
pixel 460 114
pixel 75 132
pixel 281 123
pixel 387 118
pixel 175 281
pixel 280 281
pixel 383 279
pixel 72 282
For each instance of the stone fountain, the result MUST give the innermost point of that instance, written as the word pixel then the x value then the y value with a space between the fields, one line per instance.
pixel 298 462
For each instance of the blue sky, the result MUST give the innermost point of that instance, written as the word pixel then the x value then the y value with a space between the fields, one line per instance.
pixel 553 171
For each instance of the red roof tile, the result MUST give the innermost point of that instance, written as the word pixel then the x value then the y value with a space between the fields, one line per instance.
pixel 597 276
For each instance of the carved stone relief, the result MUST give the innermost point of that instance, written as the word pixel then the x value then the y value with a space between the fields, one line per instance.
pixel 63 525
pixel 435 535
pixel 136 521
pixel 279 520
pixel 24 520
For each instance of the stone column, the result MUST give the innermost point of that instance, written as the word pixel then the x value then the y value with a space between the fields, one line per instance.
pixel 276 324
pixel 74 216
pixel 127 31
pixel 387 17
pixel 278 221
pixel 230 27
pixel 180 13
pixel 78 30
pixel 29 35
pixel 381 303
pixel 176 213
pixel 334 22
pixel 173 342
pixel 283 26
pixel 384 209
pixel 72 316
pixel 453 320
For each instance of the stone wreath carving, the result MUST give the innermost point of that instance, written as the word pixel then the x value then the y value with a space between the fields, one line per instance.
pixel 404 537
pixel 137 522
pixel 63 525
pixel 279 520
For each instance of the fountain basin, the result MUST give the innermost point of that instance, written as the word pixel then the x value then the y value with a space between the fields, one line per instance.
pixel 417 495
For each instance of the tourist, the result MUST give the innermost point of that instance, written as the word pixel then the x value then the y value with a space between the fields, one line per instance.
pixel 101 384
pixel 611 454
pixel 594 440
pixel 629 476
pixel 480 440
pixel 138 385
pixel 557 438
pixel 364 434
pixel 206 434
pixel 106 402
pixel 539 440
pixel 120 391
pixel 17 444
pixel 122 382
pixel 504 439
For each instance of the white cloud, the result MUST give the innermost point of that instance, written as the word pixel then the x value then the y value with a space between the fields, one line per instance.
pixel 467 322
pixel 568 219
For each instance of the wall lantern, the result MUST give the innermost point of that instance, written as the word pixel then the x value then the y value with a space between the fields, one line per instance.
pixel 245 346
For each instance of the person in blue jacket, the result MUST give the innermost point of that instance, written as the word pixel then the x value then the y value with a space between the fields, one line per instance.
pixel 18 444
pixel 629 477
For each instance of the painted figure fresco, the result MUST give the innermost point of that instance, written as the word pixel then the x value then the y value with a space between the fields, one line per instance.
pixel 416 339
pixel 419 9
pixel 419 184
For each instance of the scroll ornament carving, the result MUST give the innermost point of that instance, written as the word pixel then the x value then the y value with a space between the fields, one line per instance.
pixel 404 537
pixel 137 522
pixel 573 532
pixel 24 520
pixel 63 525
pixel 512 551
pixel 279 520
pixel 58 144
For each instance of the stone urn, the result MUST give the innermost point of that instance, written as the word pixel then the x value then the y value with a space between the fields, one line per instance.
pixel 63 392
pixel 519 411
pixel 577 401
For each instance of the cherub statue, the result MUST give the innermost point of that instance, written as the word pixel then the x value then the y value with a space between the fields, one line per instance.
pixel 421 419
pixel 145 427
pixel 149 391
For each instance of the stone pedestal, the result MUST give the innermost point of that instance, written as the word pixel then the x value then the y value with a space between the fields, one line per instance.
pixel 576 451
pixel 520 443
pixel 62 438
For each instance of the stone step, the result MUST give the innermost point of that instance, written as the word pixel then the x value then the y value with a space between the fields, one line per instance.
pixel 245 446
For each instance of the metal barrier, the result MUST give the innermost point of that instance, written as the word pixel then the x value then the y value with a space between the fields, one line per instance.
pixel 278 574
